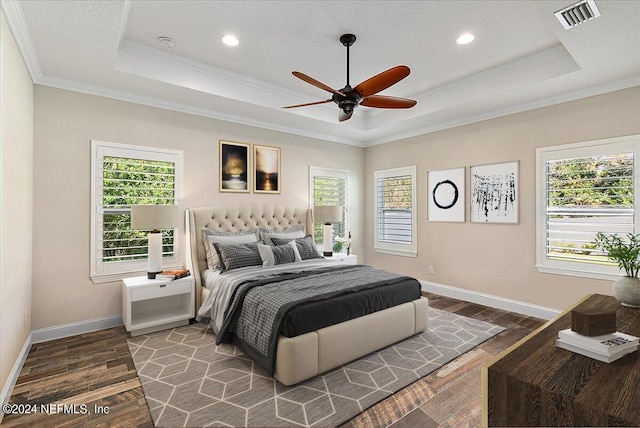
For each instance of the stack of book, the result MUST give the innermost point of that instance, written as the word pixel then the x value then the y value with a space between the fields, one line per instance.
pixel 606 348
pixel 173 274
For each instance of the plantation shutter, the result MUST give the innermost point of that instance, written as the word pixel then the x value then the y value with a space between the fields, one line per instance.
pixel 329 188
pixel 584 196
pixel 395 211
pixel 125 177
pixel 330 191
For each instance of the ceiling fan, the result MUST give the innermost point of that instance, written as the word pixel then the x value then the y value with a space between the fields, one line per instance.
pixel 349 98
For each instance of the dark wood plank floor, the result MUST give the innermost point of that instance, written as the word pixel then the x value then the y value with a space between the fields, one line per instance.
pixel 450 396
pixel 96 370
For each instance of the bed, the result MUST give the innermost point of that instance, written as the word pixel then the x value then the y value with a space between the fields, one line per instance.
pixel 300 355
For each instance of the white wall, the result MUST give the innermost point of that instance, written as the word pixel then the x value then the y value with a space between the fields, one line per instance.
pixel 497 259
pixel 16 205
pixel 65 124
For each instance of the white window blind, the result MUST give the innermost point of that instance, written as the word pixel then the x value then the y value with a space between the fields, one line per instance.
pixel 329 188
pixel 395 212
pixel 126 176
pixel 586 196
pixel 584 189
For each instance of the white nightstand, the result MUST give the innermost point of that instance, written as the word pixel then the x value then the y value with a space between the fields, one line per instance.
pixel 344 259
pixel 150 305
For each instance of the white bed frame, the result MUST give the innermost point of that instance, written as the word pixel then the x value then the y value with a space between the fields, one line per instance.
pixel 302 357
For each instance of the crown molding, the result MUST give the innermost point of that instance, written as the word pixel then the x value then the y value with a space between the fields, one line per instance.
pixel 18 27
pixel 183 108
pixel 520 108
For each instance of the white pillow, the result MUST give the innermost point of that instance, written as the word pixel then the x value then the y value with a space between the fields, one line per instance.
pixel 288 233
pixel 272 256
pixel 210 237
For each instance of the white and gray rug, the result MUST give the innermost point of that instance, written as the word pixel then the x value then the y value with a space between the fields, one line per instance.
pixel 188 381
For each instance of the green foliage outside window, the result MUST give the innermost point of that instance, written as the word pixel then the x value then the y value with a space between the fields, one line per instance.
pixel 588 195
pixel 328 191
pixel 129 182
pixel 595 181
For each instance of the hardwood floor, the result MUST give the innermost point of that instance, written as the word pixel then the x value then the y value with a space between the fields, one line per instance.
pixel 95 372
pixel 450 396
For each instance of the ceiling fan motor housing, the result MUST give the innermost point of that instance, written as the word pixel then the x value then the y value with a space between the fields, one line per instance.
pixel 349 99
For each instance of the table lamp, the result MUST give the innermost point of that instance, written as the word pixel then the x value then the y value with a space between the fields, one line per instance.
pixel 153 218
pixel 328 215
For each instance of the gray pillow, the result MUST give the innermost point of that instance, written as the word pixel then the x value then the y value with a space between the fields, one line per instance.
pixel 272 256
pixel 210 237
pixel 235 256
pixel 288 233
pixel 306 247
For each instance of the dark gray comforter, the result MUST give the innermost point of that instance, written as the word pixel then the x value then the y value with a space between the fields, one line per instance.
pixel 256 310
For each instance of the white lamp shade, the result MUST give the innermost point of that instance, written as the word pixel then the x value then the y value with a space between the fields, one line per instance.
pixel 328 214
pixel 154 217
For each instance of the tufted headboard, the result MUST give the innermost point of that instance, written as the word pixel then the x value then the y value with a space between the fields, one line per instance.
pixel 231 218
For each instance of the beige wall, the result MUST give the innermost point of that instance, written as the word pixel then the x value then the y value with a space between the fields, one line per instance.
pixel 16 205
pixel 491 258
pixel 65 124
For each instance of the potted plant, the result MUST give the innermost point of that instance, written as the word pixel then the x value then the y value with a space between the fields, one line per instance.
pixel 342 243
pixel 625 253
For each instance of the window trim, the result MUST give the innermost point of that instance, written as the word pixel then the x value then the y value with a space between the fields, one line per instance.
pixel 403 250
pixel 630 143
pixel 330 172
pixel 99 272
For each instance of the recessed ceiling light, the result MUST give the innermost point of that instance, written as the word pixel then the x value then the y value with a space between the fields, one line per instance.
pixel 230 40
pixel 167 42
pixel 465 38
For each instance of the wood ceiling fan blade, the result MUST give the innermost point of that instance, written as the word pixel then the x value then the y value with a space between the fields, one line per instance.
pixel 309 104
pixel 344 116
pixel 310 80
pixel 382 81
pixel 383 101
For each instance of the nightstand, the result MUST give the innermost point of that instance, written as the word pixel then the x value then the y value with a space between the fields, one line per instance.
pixel 150 305
pixel 344 259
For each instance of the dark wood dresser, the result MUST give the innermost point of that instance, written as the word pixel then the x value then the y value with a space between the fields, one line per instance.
pixel 535 383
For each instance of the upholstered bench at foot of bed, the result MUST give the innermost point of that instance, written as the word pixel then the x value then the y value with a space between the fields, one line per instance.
pixel 302 357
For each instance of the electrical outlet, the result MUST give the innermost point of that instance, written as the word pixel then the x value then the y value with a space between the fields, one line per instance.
pixel 430 269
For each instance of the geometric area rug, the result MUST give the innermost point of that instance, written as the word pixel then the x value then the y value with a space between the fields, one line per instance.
pixel 188 381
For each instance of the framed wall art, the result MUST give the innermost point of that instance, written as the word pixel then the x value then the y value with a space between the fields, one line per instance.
pixel 495 193
pixel 266 172
pixel 235 164
pixel 446 195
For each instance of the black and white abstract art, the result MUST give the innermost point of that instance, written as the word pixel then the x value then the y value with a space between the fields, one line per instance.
pixel 494 193
pixel 446 195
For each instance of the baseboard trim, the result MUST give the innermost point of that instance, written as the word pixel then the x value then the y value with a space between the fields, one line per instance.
pixel 15 372
pixel 80 327
pixel 490 300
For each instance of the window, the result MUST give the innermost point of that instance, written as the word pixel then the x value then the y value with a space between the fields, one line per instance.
pixel 584 189
pixel 328 187
pixel 126 175
pixel 395 211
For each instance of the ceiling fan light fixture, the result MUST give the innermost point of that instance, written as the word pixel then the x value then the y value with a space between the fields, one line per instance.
pixel 465 39
pixel 230 40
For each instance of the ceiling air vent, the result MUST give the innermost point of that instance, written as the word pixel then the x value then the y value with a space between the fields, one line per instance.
pixel 578 13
